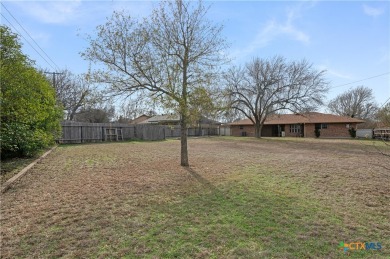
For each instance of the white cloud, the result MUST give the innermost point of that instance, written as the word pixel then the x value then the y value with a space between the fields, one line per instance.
pixel 335 73
pixel 372 11
pixel 274 29
pixel 53 12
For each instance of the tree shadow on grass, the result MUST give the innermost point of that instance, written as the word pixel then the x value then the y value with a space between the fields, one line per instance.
pixel 205 183
pixel 253 216
pixel 240 219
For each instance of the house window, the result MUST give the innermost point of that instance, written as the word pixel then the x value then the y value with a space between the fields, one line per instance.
pixel 241 127
pixel 295 128
pixel 321 126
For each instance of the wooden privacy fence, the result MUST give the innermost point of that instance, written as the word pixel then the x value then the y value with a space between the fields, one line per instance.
pixel 81 132
pixel 174 131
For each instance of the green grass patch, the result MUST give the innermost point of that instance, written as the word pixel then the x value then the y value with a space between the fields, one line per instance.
pixel 255 214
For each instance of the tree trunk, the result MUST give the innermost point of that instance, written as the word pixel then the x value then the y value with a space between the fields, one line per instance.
pixel 72 114
pixel 258 128
pixel 184 114
pixel 183 141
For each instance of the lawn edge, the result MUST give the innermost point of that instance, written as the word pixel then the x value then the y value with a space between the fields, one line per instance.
pixel 13 179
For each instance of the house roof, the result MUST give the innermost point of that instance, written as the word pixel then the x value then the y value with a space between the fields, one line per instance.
pixel 163 118
pixel 175 118
pixel 140 119
pixel 310 117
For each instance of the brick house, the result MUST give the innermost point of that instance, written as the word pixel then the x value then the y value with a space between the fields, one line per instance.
pixel 298 125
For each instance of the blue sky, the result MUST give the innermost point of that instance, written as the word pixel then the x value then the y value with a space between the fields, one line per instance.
pixel 349 39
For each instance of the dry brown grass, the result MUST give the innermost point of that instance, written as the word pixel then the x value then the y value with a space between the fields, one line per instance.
pixel 240 198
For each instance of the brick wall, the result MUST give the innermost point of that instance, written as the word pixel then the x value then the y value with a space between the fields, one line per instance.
pixel 249 129
pixel 309 130
pixel 334 130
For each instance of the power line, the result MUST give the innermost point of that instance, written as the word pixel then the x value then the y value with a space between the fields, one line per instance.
pixel 360 80
pixel 30 38
pixel 28 42
pixel 385 102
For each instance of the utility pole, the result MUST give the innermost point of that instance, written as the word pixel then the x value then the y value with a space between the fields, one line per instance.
pixel 54 77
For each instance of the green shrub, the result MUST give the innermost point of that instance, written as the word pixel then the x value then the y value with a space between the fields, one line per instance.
pixel 317 132
pixel 20 140
pixel 30 118
pixel 352 132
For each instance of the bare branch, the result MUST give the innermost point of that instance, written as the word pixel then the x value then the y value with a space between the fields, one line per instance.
pixel 356 103
pixel 265 87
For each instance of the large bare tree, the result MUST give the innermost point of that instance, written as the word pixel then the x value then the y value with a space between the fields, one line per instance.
pixel 267 86
pixel 75 93
pixel 356 103
pixel 167 56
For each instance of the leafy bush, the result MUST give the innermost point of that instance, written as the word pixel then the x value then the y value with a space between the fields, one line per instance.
pixel 19 140
pixel 30 118
pixel 317 132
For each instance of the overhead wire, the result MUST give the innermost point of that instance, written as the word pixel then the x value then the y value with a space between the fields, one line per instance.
pixel 28 42
pixel 364 80
pixel 385 102
pixel 360 80
pixel 21 26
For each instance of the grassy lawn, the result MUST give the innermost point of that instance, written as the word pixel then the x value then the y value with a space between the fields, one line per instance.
pixel 241 198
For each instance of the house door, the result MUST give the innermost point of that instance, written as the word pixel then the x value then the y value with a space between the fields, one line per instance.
pixel 277 130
